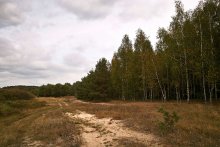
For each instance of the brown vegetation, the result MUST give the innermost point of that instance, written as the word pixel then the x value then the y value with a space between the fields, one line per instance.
pixel 40 126
pixel 199 124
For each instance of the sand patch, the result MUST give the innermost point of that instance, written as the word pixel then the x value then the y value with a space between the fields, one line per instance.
pixel 106 131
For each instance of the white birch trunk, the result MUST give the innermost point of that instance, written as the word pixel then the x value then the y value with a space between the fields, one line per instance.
pixel 158 80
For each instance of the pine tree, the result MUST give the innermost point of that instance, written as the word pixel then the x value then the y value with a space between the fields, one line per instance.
pixel 125 52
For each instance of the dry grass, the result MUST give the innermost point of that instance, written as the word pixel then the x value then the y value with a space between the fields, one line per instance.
pixel 199 124
pixel 129 143
pixel 43 126
pixel 55 129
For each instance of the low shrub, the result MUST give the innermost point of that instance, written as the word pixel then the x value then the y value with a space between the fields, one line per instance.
pixel 169 121
pixel 15 94
pixel 10 107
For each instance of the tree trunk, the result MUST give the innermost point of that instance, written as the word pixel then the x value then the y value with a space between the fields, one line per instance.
pixel 144 87
pixel 165 93
pixel 177 95
pixel 211 88
pixel 194 89
pixel 201 51
pixel 122 90
pixel 151 94
pixel 168 87
pixel 212 53
pixel 187 76
pixel 216 91
pixel 186 67
pixel 146 96
pixel 158 80
pixel 211 37
pixel 143 76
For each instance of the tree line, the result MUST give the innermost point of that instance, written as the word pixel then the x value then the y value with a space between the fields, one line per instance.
pixel 56 90
pixel 48 90
pixel 184 65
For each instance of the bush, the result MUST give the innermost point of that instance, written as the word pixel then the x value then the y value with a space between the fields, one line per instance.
pixel 10 107
pixel 6 109
pixel 169 121
pixel 15 94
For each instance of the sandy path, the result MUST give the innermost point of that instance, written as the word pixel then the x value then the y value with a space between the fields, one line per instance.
pixel 106 131
pixel 30 143
pixel 84 102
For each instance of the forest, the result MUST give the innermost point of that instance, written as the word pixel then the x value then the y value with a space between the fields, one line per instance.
pixel 185 64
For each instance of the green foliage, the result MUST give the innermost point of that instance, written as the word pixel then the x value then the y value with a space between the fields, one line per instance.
pixel 169 121
pixel 57 90
pixel 185 53
pixel 124 66
pixel 10 107
pixel 96 85
pixel 14 94
pixel 31 89
pixel 13 101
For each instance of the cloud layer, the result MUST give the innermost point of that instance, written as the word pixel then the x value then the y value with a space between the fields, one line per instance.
pixel 10 14
pixel 51 41
pixel 89 9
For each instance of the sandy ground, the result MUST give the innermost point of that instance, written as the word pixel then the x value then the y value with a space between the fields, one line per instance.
pixel 30 143
pixel 97 132
pixel 67 121
pixel 83 102
pixel 106 131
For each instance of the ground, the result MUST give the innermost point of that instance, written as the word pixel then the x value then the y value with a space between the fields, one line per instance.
pixel 71 122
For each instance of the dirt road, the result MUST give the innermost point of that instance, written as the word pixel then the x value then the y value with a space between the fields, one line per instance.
pixel 98 132
pixel 71 122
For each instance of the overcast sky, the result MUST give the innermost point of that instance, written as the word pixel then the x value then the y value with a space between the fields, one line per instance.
pixel 58 41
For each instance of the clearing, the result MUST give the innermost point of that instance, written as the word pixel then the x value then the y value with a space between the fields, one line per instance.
pixel 71 122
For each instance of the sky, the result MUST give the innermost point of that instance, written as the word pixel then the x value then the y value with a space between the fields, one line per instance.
pixel 59 41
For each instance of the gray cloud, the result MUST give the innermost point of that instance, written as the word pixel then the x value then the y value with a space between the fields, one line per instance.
pixel 88 9
pixel 6 49
pixel 142 9
pixel 10 14
pixel 76 60
pixel 20 63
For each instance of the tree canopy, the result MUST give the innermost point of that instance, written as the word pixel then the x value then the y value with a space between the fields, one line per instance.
pixel 184 64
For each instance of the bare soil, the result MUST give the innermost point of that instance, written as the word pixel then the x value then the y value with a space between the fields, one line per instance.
pixel 107 132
